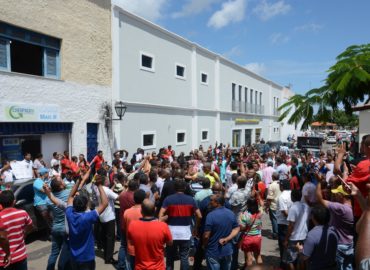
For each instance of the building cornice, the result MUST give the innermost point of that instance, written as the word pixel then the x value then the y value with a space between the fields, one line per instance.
pixel 191 109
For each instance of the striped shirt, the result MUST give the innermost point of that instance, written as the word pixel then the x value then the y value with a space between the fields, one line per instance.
pixel 14 221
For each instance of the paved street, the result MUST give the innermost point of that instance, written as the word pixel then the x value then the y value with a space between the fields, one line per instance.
pixel 39 250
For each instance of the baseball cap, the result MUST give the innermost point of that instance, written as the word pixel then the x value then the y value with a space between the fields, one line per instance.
pixel 340 190
pixel 43 171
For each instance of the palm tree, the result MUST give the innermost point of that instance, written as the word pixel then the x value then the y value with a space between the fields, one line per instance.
pixel 347 84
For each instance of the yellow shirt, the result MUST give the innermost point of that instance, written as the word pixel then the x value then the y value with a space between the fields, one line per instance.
pixel 211 178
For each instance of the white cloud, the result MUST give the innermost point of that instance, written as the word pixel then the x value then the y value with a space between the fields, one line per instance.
pixel 278 38
pixel 310 27
pixel 266 11
pixel 230 12
pixel 234 51
pixel 149 9
pixel 258 68
pixel 193 7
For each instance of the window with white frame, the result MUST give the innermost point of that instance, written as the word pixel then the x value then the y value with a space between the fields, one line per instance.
pixel 204 78
pixel 205 133
pixel 180 71
pixel 180 137
pixel 148 139
pixel 146 61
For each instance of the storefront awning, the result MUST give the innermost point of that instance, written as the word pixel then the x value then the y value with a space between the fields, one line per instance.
pixel 13 128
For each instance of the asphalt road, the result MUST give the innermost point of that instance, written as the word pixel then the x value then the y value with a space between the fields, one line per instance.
pixel 38 251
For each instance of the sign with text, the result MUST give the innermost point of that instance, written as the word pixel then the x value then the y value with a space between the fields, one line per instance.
pixel 241 121
pixel 30 112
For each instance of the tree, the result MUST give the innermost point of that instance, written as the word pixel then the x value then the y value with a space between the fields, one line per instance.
pixel 347 84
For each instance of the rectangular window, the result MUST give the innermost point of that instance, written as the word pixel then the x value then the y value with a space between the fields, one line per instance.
pixel 28 52
pixel 261 98
pixel 204 78
pixel 240 93
pixel 251 95
pixel 180 71
pixel 205 135
pixel 148 140
pixel 180 137
pixel 277 103
pixel 256 98
pixel 233 86
pixel 246 94
pixel 146 62
pixel 274 102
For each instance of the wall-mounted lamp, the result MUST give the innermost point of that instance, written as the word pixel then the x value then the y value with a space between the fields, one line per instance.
pixel 120 109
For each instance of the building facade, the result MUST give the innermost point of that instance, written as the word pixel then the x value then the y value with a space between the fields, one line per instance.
pixel 181 94
pixel 55 77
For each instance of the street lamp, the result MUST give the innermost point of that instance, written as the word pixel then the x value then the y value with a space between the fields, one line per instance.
pixel 120 109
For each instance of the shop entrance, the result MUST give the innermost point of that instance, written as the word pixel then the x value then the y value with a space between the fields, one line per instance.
pixel 14 147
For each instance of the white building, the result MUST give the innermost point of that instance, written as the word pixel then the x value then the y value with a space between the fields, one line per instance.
pixel 181 94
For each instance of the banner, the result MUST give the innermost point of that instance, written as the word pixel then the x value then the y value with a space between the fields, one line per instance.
pixel 30 112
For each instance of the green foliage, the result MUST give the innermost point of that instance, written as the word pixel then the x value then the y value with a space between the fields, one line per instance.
pixel 347 84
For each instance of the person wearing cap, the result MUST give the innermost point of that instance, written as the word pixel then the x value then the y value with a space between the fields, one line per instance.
pixel 40 198
pixel 342 219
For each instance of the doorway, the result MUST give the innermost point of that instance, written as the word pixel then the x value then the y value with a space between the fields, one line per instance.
pixel 237 134
pixel 248 136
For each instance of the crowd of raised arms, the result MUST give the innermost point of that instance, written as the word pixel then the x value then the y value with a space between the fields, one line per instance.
pixel 201 209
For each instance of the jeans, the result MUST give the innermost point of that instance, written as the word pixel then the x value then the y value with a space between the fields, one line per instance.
pixel 108 238
pixel 345 257
pixel 221 263
pixel 22 265
pixel 272 214
pixel 83 265
pixel 235 256
pixel 122 254
pixel 59 246
pixel 198 256
pixel 118 223
pixel 282 231
pixel 131 261
pixel 171 251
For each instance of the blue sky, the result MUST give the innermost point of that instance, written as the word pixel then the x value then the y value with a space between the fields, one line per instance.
pixel 288 42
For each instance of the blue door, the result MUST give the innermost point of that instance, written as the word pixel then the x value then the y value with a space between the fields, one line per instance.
pixel 92 140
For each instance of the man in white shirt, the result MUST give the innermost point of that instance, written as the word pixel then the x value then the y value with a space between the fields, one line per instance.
pixel 298 216
pixel 28 164
pixel 283 204
pixel 107 224
pixel 282 169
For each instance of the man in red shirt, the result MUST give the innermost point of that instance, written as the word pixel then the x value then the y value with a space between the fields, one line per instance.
pixel 66 163
pixel 149 236
pixel 98 160
pixel 360 175
pixel 126 201
pixel 131 214
pixel 16 223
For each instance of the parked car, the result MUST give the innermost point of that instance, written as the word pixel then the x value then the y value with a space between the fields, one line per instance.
pixel 331 139
pixel 24 193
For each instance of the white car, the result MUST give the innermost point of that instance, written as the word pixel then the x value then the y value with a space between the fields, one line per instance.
pixel 331 139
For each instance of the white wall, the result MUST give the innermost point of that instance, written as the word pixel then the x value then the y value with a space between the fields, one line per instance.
pixel 53 142
pixel 77 103
pixel 160 86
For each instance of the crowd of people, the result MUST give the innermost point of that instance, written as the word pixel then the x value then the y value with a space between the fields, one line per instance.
pixel 203 208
